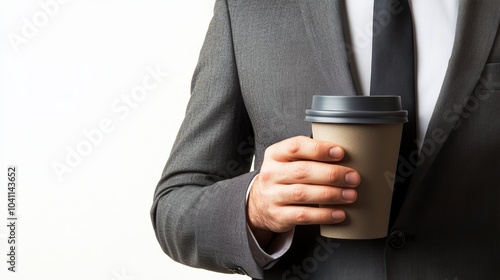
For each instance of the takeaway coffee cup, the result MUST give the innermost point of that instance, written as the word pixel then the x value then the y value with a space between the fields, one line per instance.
pixel 369 129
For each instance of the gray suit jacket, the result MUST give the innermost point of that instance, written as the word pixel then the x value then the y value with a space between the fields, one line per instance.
pixel 260 65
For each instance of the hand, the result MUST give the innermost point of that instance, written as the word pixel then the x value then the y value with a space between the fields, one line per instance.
pixel 298 174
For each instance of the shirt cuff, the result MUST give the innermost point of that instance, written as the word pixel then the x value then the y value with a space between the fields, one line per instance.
pixel 278 246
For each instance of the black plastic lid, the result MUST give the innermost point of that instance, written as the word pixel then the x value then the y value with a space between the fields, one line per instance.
pixel 356 109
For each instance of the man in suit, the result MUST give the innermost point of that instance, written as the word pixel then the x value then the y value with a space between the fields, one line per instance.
pixel 260 65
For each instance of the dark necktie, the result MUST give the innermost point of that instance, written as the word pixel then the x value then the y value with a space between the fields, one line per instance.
pixel 393 74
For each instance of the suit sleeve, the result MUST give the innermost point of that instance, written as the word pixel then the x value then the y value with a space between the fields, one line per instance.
pixel 199 212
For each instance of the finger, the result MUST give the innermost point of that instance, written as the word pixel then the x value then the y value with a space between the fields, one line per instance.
pixel 304 148
pixel 316 173
pixel 303 215
pixel 313 194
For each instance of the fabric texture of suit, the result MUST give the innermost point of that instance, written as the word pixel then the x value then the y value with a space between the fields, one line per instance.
pixel 259 66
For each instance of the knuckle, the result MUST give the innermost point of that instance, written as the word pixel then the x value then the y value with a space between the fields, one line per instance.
pixel 300 170
pixel 293 145
pixel 265 175
pixel 333 174
pixel 299 194
pixel 325 216
pixel 329 195
pixel 301 216
pixel 317 148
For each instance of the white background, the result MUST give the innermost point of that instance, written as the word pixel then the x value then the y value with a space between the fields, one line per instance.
pixel 65 68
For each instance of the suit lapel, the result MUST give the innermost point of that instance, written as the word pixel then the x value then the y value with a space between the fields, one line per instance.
pixel 324 26
pixel 477 25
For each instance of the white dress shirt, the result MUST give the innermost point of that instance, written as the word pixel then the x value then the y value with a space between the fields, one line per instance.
pixel 434 23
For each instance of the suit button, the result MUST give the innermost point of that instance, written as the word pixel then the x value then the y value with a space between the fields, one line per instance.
pixel 397 239
pixel 238 270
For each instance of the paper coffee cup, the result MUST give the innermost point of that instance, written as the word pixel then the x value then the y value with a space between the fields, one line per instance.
pixel 369 129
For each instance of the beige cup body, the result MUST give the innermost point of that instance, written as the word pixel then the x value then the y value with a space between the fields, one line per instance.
pixel 372 150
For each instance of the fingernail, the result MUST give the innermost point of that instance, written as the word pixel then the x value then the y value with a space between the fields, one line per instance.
pixel 349 195
pixel 336 153
pixel 352 178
